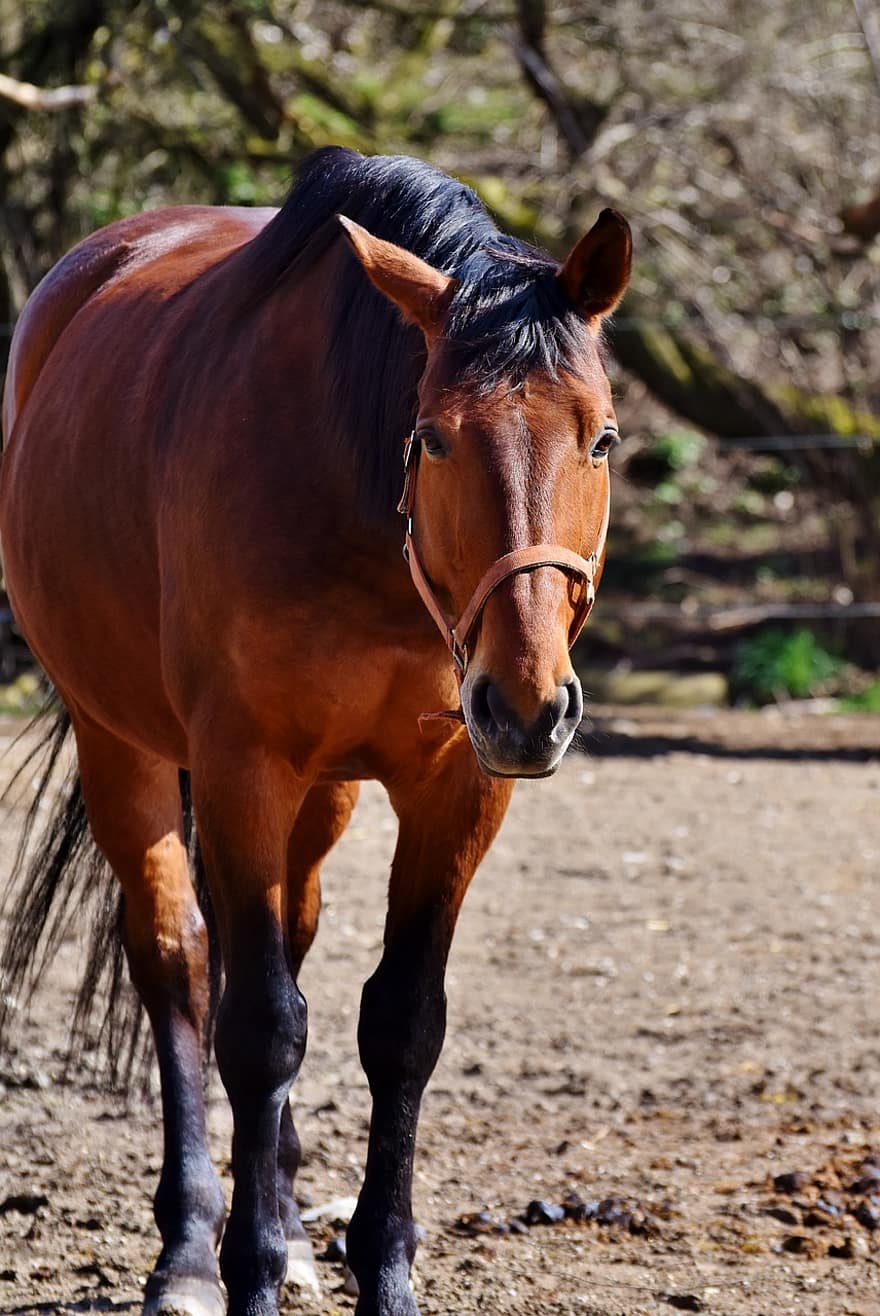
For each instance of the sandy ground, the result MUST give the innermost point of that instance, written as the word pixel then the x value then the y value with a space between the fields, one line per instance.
pixel 664 990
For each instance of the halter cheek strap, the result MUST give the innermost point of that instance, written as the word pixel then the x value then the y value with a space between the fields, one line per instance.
pixel 457 634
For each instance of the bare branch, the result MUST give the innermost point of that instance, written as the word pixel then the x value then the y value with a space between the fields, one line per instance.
pixel 45 99
pixel 870 25
pixel 577 122
pixel 546 87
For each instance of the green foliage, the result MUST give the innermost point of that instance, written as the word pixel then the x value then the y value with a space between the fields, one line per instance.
pixel 771 476
pixel 670 464
pixel 783 664
pixel 476 115
pixel 678 449
pixel 239 185
pixel 324 124
pixel 866 701
pixel 669 492
pixel 749 502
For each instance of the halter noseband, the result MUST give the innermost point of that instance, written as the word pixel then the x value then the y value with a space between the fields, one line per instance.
pixel 457 633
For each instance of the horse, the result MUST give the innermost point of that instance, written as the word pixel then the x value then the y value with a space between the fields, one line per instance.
pixel 219 425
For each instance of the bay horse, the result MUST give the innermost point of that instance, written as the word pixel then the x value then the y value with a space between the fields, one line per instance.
pixel 204 422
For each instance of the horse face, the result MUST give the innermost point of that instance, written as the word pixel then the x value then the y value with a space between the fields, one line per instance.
pixel 504 469
pixel 498 473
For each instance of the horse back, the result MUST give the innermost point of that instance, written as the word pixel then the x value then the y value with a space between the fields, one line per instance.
pixel 80 485
pixel 190 239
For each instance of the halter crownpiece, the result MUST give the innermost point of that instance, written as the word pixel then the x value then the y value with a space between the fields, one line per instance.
pixel 457 633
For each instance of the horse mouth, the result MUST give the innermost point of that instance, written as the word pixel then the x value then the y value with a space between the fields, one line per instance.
pixel 515 759
pixel 520 774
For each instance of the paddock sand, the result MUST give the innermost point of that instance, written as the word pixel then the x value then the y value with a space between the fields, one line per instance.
pixel 664 990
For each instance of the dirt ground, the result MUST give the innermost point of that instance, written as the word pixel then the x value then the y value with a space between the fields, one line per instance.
pixel 663 995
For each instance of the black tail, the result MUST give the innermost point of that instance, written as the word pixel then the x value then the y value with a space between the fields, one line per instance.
pixel 60 881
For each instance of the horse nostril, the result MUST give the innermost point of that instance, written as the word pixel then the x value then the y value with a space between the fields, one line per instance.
pixel 564 709
pixel 479 703
pixel 560 715
pixel 488 709
pixel 574 710
pixel 498 710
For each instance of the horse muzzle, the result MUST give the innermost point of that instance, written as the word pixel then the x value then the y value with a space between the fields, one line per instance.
pixel 507 747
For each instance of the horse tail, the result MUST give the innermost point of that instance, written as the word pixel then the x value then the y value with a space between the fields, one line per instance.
pixel 60 883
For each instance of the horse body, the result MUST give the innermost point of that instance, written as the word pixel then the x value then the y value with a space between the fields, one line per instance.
pixel 205 557
pixel 163 586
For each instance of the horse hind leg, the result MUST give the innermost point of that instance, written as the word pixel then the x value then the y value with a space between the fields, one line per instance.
pixel 324 815
pixel 134 809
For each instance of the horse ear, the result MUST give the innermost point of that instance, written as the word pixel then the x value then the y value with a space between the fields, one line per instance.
pixel 596 273
pixel 419 292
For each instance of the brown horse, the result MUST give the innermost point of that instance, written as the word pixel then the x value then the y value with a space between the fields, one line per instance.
pixel 204 417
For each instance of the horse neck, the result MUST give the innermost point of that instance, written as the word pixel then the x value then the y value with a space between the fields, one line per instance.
pixel 289 340
pixel 297 319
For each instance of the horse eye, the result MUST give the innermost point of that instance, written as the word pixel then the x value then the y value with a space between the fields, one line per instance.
pixel 608 439
pixel 432 443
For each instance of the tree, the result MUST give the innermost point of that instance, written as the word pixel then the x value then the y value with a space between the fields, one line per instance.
pixel 728 137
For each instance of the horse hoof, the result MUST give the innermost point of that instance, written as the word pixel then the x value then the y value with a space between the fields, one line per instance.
pixel 168 1295
pixel 301 1272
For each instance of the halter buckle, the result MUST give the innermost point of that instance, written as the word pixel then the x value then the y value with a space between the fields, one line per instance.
pixel 459 654
pixel 408 446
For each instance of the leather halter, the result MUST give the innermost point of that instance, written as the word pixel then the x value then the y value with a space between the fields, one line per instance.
pixel 458 633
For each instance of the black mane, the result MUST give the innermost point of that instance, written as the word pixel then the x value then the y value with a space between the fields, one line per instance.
pixel 508 315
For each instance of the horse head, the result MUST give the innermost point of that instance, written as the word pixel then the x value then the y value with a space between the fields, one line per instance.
pixel 507 480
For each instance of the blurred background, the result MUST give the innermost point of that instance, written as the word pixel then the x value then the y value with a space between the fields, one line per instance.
pixel 741 140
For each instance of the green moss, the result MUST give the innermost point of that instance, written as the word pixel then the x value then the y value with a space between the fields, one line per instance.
pixel 825 413
pixel 662 348
pixel 514 213
pixel 324 124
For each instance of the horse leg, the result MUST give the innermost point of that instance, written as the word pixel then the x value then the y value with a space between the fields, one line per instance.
pixel 133 805
pixel 448 818
pixel 246 802
pixel 321 821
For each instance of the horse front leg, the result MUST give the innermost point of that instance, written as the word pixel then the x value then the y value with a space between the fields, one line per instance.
pixel 322 819
pixel 448 819
pixel 246 803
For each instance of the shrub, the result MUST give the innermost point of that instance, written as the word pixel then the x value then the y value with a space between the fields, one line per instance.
pixel 783 664
pixel 866 701
pixel 678 449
